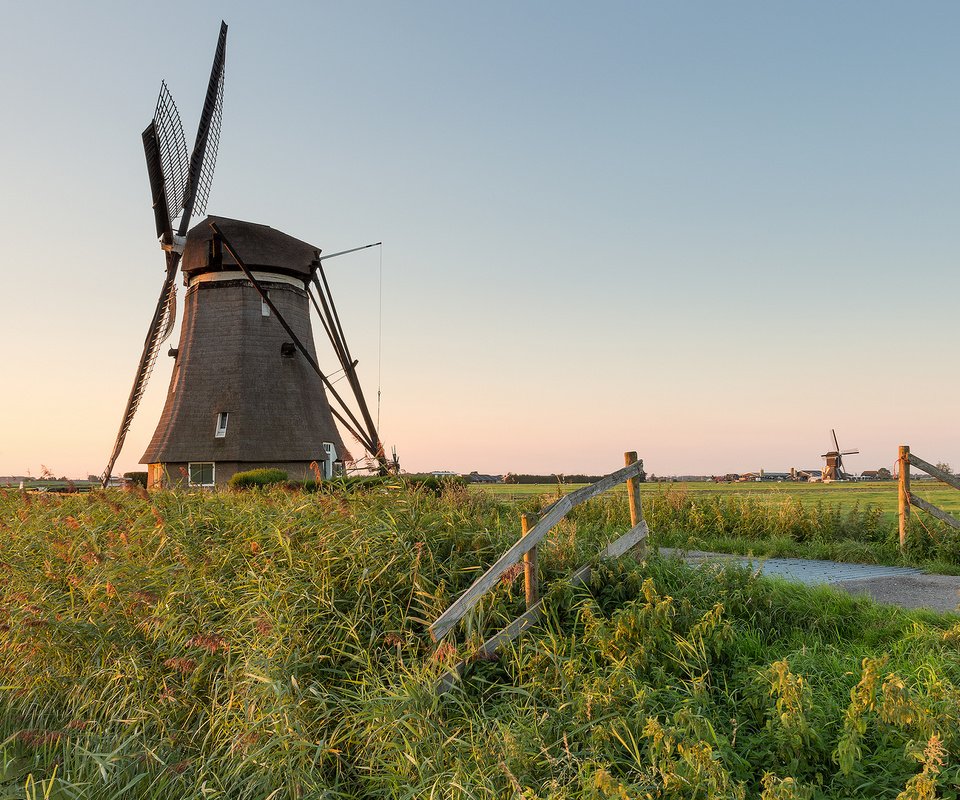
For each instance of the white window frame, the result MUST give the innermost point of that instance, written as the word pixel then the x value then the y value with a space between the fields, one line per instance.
pixel 264 308
pixel 213 472
pixel 223 418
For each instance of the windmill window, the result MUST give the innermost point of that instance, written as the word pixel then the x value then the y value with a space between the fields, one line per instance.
pixel 264 308
pixel 201 473
pixel 222 418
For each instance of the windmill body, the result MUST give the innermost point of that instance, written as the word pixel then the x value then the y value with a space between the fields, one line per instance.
pixel 241 397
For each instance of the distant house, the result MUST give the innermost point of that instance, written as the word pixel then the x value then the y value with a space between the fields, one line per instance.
pixel 775 476
pixel 809 475
pixel 478 477
pixel 763 475
pixel 875 475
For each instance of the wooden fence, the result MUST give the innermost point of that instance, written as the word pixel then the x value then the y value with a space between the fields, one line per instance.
pixel 907 499
pixel 533 531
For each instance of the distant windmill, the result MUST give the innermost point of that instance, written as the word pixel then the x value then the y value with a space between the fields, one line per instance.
pixel 833 470
pixel 246 390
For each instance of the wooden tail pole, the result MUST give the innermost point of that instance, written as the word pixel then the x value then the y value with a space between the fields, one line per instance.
pixel 530 586
pixel 904 493
pixel 633 493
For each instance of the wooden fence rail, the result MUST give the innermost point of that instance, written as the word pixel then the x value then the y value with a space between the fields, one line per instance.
pixel 526 549
pixel 548 519
pixel 907 499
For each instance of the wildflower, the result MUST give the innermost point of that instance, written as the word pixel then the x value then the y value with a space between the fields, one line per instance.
pixel 445 652
pixel 210 642
pixel 510 575
pixel 183 665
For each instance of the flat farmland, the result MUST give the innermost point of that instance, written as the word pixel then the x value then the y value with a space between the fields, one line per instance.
pixel 880 494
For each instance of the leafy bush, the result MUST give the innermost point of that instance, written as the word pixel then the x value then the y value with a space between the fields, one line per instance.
pixel 257 477
pixel 136 478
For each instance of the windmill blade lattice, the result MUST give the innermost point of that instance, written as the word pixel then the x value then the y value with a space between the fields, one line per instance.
pixel 160 328
pixel 172 145
pixel 203 157
pixel 205 179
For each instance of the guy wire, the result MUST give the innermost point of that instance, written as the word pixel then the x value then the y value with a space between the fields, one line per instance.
pixel 379 333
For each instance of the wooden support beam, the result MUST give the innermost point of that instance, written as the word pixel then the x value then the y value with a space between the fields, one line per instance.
pixel 530 586
pixel 548 519
pixel 931 509
pixel 903 494
pixel 633 490
pixel 354 431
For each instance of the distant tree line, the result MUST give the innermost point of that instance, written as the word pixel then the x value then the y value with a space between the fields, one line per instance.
pixel 559 478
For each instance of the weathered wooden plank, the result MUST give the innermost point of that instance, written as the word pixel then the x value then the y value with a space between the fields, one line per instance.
pixel 522 623
pixel 629 540
pixel 535 613
pixel 550 517
pixel 939 474
pixel 933 511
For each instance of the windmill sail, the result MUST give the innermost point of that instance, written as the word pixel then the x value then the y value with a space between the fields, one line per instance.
pixel 204 154
pixel 171 147
pixel 171 175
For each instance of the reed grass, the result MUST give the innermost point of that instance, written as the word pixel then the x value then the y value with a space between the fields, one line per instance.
pixel 272 643
pixel 755 524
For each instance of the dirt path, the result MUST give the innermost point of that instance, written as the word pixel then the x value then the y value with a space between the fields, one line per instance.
pixel 900 586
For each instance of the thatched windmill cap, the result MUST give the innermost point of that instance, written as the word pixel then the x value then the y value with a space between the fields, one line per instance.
pixel 261 247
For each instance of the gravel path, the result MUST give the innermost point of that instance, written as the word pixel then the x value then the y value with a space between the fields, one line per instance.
pixel 900 586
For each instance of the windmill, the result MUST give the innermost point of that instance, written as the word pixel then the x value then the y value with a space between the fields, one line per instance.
pixel 833 470
pixel 246 389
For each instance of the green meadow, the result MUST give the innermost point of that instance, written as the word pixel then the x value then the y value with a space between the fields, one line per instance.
pixel 882 494
pixel 853 522
pixel 273 644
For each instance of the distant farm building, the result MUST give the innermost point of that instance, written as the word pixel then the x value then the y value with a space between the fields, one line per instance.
pixel 479 477
pixel 809 475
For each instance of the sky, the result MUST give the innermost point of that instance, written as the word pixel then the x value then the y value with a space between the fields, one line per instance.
pixel 708 232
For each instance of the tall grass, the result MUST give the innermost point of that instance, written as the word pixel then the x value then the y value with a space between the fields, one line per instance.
pixel 742 523
pixel 273 644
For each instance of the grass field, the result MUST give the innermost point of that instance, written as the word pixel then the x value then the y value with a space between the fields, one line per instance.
pixel 273 645
pixel 855 522
pixel 882 494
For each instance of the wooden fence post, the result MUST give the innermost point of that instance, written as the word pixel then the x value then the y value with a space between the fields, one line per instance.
pixel 530 587
pixel 633 494
pixel 904 494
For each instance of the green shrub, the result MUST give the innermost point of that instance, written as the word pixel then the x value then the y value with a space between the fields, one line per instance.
pixel 257 477
pixel 136 478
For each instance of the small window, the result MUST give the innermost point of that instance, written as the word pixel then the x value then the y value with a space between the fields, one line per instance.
pixel 201 473
pixel 264 308
pixel 221 424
